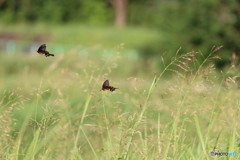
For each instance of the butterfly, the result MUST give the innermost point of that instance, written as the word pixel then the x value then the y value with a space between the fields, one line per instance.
pixel 106 86
pixel 42 50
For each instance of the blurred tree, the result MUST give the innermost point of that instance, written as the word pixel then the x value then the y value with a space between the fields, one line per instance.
pixel 120 12
pixel 195 25
pixel 1 2
pixel 56 11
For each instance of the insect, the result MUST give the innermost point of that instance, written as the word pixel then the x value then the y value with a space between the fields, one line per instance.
pixel 42 50
pixel 106 86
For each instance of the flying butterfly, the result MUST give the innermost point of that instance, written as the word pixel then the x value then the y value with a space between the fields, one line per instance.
pixel 42 50
pixel 106 86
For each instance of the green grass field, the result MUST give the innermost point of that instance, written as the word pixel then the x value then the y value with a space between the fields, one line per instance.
pixel 52 108
pixel 74 34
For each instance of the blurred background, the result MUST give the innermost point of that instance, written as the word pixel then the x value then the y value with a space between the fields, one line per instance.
pixel 147 28
pixel 159 53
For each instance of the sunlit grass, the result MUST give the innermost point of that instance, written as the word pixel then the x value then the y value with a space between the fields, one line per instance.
pixel 52 108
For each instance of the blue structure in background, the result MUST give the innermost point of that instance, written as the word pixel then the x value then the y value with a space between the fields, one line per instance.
pixel 10 47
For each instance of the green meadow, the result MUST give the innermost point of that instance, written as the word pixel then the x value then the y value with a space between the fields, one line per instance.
pixel 53 107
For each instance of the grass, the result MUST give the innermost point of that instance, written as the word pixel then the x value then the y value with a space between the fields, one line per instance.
pixel 52 108
pixel 74 34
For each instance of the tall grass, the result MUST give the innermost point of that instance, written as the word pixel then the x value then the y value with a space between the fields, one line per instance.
pixel 52 108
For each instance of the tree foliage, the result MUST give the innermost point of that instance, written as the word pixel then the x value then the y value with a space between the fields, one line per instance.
pixel 57 11
pixel 195 25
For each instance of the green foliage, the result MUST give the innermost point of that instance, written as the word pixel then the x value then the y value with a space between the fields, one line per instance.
pixel 192 25
pixel 57 11
pixel 97 12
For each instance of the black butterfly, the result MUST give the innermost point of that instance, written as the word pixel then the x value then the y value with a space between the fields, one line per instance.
pixel 106 86
pixel 42 50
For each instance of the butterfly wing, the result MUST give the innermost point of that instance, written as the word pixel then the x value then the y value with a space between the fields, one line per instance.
pixel 42 48
pixel 105 85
